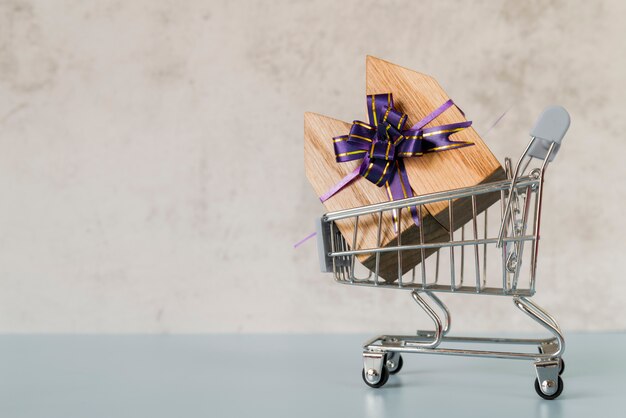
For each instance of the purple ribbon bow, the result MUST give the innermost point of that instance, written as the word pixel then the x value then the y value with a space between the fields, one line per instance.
pixel 384 143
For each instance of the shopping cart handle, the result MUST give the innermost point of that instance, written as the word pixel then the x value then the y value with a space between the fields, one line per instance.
pixel 549 128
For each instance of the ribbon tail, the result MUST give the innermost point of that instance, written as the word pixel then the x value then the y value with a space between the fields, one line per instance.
pixel 305 239
pixel 437 138
pixel 497 121
pixel 433 115
pixel 405 180
pixel 343 183
pixel 400 188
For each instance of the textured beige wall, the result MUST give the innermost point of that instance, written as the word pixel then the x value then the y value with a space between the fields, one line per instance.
pixel 151 172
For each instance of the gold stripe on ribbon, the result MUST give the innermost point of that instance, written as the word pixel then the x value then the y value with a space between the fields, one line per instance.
pixel 386 114
pixel 368 169
pixel 441 132
pixel 462 144
pixel 360 137
pixel 410 154
pixel 363 125
pixel 374 109
pixel 398 139
pixel 401 181
pixel 401 121
pixel 383 175
pixel 344 154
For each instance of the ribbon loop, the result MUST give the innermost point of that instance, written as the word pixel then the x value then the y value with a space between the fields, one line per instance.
pixel 395 119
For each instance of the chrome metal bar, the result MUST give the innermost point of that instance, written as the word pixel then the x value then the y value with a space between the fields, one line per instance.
pixel 485 340
pixel 380 225
pixel 399 234
pixel 488 291
pixel 447 318
pixel 431 313
pixel 437 268
pixel 411 344
pixel 429 198
pixel 544 319
pixel 476 255
pixel 507 168
pixel 520 245
pixel 331 234
pixel 504 271
pixel 422 250
pixel 413 348
pixel 452 265
pixel 354 235
pixel 547 317
pixel 525 166
pixel 537 222
pixel 462 264
pixel 430 245
pixel 346 270
pixel 512 187
pixel 534 248
pixel 485 251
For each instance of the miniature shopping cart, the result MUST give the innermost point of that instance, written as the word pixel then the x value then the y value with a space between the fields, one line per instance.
pixel 513 242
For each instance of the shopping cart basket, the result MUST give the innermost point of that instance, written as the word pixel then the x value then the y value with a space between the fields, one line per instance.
pixel 514 244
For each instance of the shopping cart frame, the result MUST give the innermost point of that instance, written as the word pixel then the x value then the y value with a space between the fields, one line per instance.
pixel 520 194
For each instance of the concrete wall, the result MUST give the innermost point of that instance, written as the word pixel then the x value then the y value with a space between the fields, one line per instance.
pixel 151 175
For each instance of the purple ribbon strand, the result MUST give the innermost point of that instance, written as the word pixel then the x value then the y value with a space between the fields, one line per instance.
pixel 305 239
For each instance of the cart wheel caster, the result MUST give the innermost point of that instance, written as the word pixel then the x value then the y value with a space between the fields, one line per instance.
pixel 394 366
pixel 561 363
pixel 383 378
pixel 555 395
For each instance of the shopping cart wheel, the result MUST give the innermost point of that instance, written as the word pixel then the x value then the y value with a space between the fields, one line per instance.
pixel 383 378
pixel 555 395
pixel 394 365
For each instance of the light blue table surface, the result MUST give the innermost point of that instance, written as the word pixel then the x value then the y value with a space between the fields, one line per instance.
pixel 288 376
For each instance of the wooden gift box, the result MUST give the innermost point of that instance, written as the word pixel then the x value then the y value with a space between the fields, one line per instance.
pixel 416 95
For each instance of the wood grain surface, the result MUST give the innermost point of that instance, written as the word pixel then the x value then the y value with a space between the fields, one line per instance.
pixel 417 95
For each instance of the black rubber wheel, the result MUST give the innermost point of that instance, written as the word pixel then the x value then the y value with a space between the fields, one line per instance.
pixel 398 367
pixel 383 379
pixel 556 394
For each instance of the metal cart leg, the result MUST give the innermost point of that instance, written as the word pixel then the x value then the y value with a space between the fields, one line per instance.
pixel 381 361
pixel 382 354
pixel 446 313
pixel 551 349
pixel 548 384
pixel 440 328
